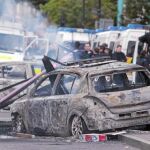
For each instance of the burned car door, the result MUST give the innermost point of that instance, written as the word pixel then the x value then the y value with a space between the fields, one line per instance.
pixel 38 115
pixel 64 91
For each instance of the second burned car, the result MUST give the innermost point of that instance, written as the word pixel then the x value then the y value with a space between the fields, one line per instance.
pixel 12 75
pixel 13 72
pixel 78 99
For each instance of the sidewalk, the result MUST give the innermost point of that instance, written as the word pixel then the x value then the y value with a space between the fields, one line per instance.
pixel 139 139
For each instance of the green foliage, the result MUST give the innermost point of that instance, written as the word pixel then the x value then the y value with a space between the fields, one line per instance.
pixel 137 11
pixel 109 8
pixel 36 3
pixel 71 13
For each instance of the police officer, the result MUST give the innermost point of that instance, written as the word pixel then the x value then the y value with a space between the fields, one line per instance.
pixel 119 55
pixel 87 52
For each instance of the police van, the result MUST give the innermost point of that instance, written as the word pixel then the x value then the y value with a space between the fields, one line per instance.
pixel 66 39
pixel 129 39
pixel 108 36
pixel 74 34
pixel 16 44
pixel 11 41
pixel 68 36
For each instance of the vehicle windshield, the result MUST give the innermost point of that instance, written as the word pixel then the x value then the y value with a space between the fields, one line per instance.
pixel 35 48
pixel 10 42
pixel 71 44
pixel 63 51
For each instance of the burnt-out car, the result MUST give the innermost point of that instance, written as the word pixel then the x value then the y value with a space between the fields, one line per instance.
pixel 79 99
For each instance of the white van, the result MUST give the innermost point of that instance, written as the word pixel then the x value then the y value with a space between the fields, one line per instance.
pixel 129 39
pixel 74 34
pixel 108 36
pixel 66 39
pixel 16 44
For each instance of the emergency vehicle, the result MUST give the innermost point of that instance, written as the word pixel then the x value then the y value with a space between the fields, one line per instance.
pixel 65 42
pixel 74 34
pixel 108 36
pixel 129 39
pixel 68 36
pixel 16 44
pixel 11 41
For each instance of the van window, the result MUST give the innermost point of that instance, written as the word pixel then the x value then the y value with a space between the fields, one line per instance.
pixel 94 44
pixel 130 48
pixel 111 46
pixel 140 47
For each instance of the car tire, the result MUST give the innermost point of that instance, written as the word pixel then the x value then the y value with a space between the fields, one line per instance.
pixel 18 124
pixel 77 126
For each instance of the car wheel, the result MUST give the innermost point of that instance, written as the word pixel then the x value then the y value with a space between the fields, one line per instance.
pixel 18 124
pixel 77 126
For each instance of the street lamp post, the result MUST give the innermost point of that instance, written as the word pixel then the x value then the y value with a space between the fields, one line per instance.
pixel 99 9
pixel 98 13
pixel 119 14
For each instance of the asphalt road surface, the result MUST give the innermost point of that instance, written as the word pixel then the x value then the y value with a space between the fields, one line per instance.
pixel 59 144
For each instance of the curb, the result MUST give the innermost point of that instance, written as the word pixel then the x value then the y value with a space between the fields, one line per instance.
pixel 135 141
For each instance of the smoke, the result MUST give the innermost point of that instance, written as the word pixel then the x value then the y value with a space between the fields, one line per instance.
pixel 33 21
pixel 31 18
pixel 34 24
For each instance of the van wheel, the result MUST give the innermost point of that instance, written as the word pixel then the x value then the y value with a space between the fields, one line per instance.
pixel 77 126
pixel 18 124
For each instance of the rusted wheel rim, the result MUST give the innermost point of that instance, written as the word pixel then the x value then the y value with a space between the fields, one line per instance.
pixel 77 126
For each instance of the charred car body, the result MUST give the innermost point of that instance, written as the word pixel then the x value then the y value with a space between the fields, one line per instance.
pixel 76 99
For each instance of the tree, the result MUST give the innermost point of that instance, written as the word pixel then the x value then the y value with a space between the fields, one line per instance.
pixel 70 12
pixel 36 3
pixel 137 11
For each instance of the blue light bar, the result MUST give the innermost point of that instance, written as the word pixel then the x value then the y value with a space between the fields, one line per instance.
pixel 65 29
pixel 122 28
pixel 91 31
pixel 135 26
pixel 99 30
pixel 112 28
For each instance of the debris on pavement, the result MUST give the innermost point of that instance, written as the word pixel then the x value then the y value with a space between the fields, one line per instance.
pixel 100 137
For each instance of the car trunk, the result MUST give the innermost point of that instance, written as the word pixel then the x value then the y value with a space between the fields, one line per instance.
pixel 127 100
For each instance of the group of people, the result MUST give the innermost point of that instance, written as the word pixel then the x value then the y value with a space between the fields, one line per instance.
pixel 143 59
pixel 86 52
